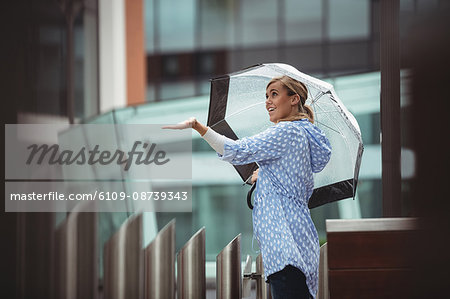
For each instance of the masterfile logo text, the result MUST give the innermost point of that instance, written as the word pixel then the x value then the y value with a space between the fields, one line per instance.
pixel 99 167
pixel 100 152
pixel 145 156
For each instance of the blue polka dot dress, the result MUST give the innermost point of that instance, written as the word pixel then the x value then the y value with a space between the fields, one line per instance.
pixel 288 154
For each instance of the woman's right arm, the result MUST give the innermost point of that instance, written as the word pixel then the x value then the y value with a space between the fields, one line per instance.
pixel 270 144
pixel 199 127
pixel 214 139
pixel 191 122
pixel 267 145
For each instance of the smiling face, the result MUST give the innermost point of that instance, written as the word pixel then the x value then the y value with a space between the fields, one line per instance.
pixel 279 103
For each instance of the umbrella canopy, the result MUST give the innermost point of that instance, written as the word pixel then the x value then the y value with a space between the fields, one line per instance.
pixel 237 109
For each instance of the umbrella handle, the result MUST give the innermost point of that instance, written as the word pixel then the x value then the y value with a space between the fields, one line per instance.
pixel 249 196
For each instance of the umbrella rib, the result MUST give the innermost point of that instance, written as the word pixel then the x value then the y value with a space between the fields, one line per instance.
pixel 330 128
pixel 325 112
pixel 313 103
pixel 334 122
pixel 343 136
pixel 317 97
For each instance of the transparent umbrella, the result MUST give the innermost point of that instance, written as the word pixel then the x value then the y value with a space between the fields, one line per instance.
pixel 237 109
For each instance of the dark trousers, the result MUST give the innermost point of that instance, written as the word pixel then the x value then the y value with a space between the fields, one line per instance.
pixel 289 283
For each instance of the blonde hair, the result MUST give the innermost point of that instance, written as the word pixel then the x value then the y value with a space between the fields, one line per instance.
pixel 294 87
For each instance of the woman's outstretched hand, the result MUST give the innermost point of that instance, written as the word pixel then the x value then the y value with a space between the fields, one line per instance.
pixel 188 123
pixel 191 122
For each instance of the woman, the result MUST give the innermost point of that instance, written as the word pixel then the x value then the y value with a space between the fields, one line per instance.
pixel 287 153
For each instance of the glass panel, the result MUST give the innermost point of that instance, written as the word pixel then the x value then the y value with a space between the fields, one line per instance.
pixel 259 22
pixel 176 23
pixel 349 19
pixel 106 118
pixel 122 116
pixel 370 193
pixel 150 26
pixel 173 90
pixel 217 23
pixel 303 20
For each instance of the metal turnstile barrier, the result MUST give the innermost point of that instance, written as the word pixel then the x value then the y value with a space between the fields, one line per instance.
pixel 123 261
pixel 191 282
pixel 160 264
pixel 228 271
pixel 262 288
